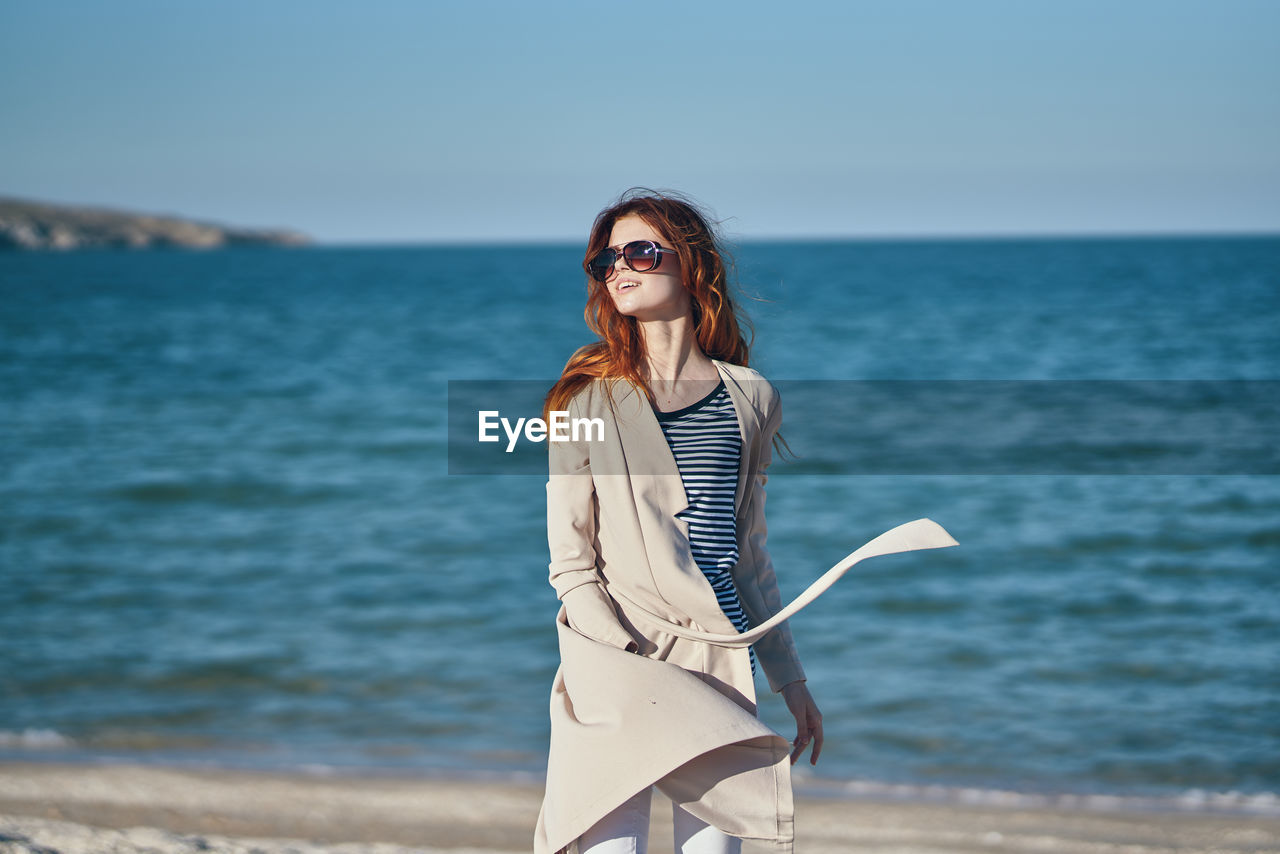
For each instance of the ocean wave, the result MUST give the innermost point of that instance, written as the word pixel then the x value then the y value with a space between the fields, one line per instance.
pixel 35 739
pixel 1190 800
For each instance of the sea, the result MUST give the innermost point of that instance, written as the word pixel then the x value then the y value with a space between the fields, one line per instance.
pixel 233 532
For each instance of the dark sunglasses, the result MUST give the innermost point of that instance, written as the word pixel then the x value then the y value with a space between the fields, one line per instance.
pixel 640 255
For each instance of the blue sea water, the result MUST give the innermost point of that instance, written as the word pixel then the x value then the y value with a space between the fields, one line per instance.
pixel 228 533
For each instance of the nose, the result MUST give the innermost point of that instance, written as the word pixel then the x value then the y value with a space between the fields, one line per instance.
pixel 619 264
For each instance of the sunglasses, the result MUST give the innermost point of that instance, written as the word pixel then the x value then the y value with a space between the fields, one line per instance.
pixel 640 255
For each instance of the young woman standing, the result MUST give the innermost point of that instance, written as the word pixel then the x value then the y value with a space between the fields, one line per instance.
pixel 657 530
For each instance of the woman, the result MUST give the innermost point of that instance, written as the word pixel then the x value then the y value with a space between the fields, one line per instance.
pixel 656 529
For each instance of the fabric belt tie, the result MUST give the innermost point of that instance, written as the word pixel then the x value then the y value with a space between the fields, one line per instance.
pixel 908 537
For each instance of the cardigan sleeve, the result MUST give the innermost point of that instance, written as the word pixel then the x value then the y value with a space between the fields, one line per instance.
pixel 776 650
pixel 571 533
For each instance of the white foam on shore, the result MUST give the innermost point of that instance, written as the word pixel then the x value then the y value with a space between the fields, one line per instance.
pixel 1197 800
pixel 1190 801
pixel 35 739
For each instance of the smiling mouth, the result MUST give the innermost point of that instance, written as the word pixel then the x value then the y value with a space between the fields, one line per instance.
pixel 627 285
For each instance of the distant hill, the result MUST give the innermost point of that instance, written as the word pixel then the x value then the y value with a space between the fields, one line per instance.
pixel 36 225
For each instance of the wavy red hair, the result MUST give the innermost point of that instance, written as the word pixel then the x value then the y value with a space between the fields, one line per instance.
pixel 619 352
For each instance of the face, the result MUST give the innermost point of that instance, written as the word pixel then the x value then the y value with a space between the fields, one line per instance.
pixel 656 295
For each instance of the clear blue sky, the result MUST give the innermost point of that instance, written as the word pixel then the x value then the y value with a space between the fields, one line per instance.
pixel 481 120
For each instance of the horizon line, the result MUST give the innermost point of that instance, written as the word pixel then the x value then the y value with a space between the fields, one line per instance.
pixel 887 237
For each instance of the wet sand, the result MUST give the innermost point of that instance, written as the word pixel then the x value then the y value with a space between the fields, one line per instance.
pixel 130 809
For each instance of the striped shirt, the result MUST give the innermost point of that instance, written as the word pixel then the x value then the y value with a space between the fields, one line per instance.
pixel 705 442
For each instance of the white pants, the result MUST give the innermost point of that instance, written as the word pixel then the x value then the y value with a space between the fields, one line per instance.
pixel 626 831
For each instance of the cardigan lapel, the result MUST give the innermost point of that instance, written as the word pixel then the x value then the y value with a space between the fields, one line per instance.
pixel 643 440
pixel 748 426
pixel 646 449
pixel 658 492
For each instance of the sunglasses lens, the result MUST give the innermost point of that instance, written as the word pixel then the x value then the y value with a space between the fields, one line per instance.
pixel 602 264
pixel 641 255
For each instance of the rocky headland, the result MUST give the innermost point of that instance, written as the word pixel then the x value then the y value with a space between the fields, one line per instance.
pixel 37 225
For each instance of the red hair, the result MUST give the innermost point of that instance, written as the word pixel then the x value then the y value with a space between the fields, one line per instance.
pixel 619 352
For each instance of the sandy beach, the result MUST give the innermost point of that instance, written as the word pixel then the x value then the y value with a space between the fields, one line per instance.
pixel 66 808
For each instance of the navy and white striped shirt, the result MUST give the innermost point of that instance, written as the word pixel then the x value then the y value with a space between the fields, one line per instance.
pixel 705 442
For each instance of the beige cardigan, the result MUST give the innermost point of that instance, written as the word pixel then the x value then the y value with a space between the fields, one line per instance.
pixel 621 564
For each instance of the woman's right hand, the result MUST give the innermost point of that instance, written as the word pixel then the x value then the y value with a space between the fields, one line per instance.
pixel 591 613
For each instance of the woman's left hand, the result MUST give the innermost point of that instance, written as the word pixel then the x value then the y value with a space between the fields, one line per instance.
pixel 808 720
